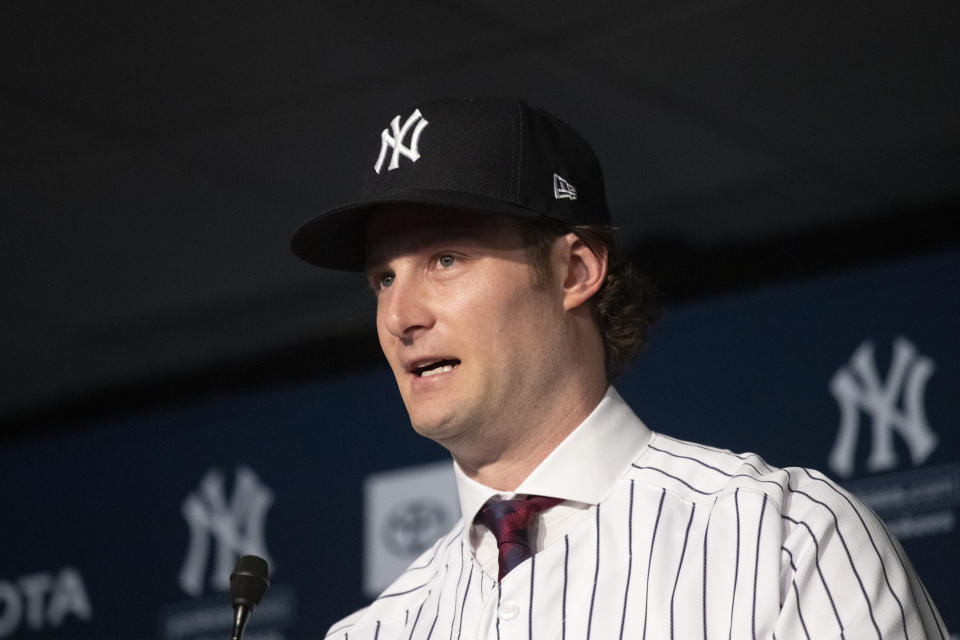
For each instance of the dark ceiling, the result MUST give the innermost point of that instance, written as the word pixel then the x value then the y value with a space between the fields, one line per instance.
pixel 156 157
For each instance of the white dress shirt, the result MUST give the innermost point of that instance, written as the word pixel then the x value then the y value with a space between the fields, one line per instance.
pixel 660 538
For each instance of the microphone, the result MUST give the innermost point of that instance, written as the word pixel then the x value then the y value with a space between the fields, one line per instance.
pixel 248 583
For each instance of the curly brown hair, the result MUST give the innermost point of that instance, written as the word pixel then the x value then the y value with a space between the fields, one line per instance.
pixel 625 306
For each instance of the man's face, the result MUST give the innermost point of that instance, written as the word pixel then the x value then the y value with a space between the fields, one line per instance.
pixel 471 341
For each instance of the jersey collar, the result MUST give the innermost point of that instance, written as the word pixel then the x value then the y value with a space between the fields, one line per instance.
pixel 582 468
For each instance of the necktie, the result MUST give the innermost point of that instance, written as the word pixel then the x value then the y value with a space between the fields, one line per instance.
pixel 510 521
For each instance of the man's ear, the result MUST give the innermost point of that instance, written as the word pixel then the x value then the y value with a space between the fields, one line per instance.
pixel 585 271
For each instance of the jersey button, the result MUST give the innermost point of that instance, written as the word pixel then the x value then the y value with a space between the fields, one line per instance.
pixel 508 610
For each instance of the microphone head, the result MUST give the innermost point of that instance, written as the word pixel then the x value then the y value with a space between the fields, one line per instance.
pixel 249 581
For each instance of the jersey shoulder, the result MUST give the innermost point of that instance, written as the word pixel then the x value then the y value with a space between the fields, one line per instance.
pixel 696 472
pixel 405 593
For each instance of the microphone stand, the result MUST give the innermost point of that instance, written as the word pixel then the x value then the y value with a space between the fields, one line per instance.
pixel 248 583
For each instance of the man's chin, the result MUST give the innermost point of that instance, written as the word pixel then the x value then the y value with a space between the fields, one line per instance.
pixel 433 429
pixel 436 425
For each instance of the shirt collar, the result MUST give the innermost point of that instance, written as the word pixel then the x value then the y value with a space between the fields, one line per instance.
pixel 582 468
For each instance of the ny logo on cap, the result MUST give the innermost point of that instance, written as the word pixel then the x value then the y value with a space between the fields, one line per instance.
pixel 395 141
pixel 563 189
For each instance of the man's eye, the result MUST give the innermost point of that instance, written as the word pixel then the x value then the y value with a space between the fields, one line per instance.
pixel 385 281
pixel 446 260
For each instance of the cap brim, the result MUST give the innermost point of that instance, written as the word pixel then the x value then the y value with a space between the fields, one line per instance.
pixel 335 239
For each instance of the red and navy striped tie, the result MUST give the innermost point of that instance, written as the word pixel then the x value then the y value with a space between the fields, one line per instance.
pixel 510 521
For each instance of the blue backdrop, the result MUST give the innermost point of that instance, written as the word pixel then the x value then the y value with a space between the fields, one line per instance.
pixel 128 529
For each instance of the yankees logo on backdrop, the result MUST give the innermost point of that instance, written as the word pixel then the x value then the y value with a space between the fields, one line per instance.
pixel 237 526
pixel 858 386
pixel 395 141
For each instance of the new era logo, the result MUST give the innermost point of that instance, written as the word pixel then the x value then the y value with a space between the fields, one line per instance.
pixel 563 189
pixel 395 141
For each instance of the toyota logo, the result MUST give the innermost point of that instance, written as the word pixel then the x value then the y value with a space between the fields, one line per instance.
pixel 413 526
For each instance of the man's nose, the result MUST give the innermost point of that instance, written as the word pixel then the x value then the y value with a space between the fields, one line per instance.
pixel 406 309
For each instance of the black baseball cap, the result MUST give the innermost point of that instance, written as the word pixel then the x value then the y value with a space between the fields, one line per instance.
pixel 492 155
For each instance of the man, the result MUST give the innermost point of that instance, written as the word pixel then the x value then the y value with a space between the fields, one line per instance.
pixel 484 232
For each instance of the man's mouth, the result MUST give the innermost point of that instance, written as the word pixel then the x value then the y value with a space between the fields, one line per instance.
pixel 434 367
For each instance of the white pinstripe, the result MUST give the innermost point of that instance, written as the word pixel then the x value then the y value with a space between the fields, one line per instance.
pixel 719 545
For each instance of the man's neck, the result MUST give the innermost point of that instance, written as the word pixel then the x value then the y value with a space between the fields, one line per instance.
pixel 504 460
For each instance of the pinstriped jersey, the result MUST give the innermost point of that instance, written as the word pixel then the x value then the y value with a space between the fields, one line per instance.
pixel 690 542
